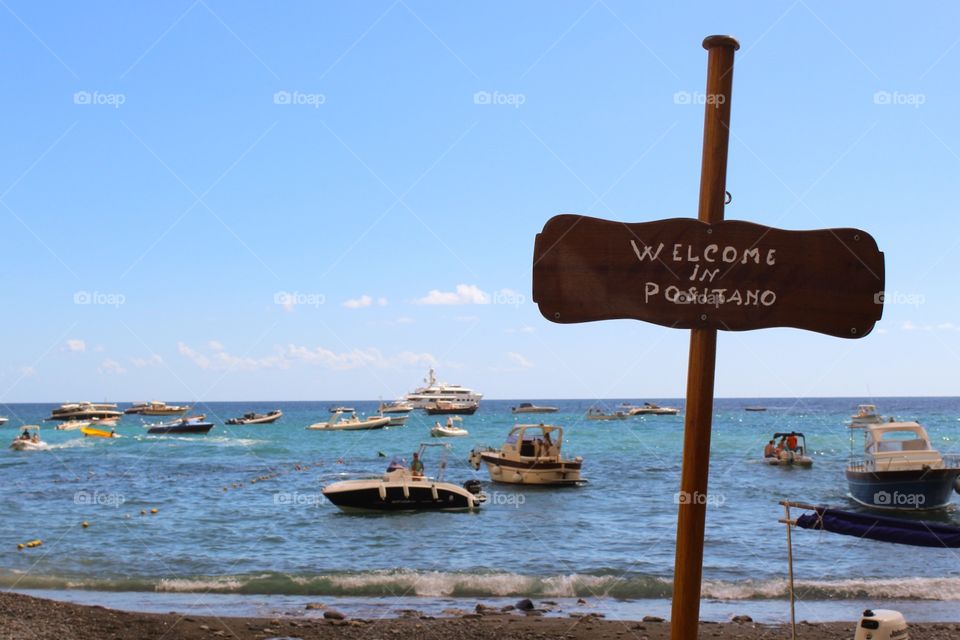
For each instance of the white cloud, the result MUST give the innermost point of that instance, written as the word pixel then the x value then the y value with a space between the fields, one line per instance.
pixel 519 360
pixel 524 329
pixel 110 366
pixel 288 355
pixel 465 294
pixel 28 372
pixel 466 318
pixel 359 303
pixel 76 346
pixel 199 359
pixel 216 345
pixel 382 301
pixel 151 361
pixel 404 320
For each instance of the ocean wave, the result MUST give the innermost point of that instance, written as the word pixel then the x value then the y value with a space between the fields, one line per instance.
pixel 479 585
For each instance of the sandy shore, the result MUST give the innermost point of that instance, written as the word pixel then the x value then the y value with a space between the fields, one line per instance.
pixel 31 618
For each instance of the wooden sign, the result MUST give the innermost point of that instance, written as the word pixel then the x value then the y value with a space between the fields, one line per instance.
pixel 730 275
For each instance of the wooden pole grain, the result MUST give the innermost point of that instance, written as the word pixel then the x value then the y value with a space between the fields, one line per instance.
pixel 692 499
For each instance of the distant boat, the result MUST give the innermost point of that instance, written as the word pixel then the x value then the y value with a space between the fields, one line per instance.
pixel 447 407
pixel 136 408
pixel 193 424
pixel 342 409
pixel 650 409
pixel 398 406
pixel 754 408
pixel 435 391
pixel 157 408
pixel 84 411
pixel 98 433
pixel 338 423
pixel 257 418
pixel 72 425
pixel 528 407
pixel 395 420
pixel 866 414
pixel 449 430
pixel 3 421
pixel 598 414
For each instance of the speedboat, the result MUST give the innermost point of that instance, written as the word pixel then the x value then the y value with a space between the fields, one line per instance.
pixel 449 430
pixel 91 432
pixel 28 441
pixel 901 470
pixel 449 407
pixel 342 409
pixel 257 418
pixel 190 424
pixel 650 409
pixel 791 451
pixel 754 408
pixel 529 407
pixel 530 455
pixel 136 408
pixel 401 489
pixel 3 421
pixel 72 425
pixel 84 411
pixel 396 420
pixel 598 414
pixel 398 406
pixel 866 414
pixel 338 423
pixel 157 408
pixel 433 391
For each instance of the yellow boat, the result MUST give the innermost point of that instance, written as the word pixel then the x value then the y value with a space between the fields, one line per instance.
pixel 97 433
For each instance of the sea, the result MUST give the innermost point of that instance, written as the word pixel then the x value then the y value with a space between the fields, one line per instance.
pixel 234 522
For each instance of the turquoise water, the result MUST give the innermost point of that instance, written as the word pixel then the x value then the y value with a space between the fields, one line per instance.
pixel 239 511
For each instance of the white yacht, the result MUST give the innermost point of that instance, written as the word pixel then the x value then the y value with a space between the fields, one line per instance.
pixel 85 411
pixel 866 414
pixel 433 391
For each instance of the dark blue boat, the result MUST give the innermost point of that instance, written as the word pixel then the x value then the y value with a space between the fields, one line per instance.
pixel 193 424
pixel 901 470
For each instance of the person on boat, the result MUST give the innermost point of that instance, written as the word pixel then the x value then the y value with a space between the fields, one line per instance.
pixel 792 442
pixel 770 451
pixel 25 435
pixel 113 433
pixel 35 439
pixel 416 467
pixel 449 422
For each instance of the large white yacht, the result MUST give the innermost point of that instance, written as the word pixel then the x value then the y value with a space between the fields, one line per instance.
pixel 434 391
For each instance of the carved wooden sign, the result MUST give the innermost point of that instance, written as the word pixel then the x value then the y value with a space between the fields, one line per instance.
pixel 731 275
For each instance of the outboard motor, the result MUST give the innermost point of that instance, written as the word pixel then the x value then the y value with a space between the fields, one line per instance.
pixel 473 486
pixel 882 624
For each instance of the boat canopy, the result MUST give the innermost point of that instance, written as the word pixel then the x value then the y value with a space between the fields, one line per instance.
pixel 884 528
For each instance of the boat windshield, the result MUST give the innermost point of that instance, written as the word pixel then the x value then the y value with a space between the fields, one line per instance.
pixel 896 441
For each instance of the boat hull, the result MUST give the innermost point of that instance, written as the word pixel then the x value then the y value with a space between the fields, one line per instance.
pixel 533 472
pixel 433 410
pixel 911 490
pixel 359 495
pixel 187 428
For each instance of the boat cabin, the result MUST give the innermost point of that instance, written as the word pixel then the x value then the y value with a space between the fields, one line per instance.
pixel 899 445
pixel 534 441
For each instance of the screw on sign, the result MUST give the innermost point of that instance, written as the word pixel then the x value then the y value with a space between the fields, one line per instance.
pixel 707 274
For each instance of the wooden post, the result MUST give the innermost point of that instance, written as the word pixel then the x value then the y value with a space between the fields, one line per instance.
pixel 692 510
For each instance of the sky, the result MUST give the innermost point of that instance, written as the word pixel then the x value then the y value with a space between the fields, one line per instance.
pixel 212 200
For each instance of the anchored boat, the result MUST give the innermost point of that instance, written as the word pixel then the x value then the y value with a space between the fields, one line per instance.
pixel 449 430
pixel 529 407
pixel 191 424
pixel 257 418
pixel 791 451
pixel 530 455
pixel 29 440
pixel 338 423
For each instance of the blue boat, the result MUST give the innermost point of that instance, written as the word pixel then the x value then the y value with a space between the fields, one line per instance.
pixel 900 470
pixel 191 424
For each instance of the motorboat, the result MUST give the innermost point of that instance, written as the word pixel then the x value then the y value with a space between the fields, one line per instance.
pixel 900 469
pixel 530 455
pixel 189 424
pixel 866 414
pixel 397 406
pixel 598 414
pixel 157 408
pixel 342 409
pixel 791 451
pixel 529 407
pixel 91 432
pixel 3 421
pixel 650 409
pixel 84 411
pixel 396 420
pixel 72 425
pixel 404 489
pixel 338 423
pixel 754 408
pixel 450 407
pixel 450 429
pixel 257 418
pixel 104 422
pixel 433 391
pixel 29 440
pixel 136 408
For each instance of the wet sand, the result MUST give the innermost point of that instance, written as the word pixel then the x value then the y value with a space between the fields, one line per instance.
pixel 31 618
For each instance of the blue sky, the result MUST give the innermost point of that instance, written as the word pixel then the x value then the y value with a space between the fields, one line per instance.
pixel 205 200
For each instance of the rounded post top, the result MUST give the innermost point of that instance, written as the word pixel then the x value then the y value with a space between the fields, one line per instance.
pixel 720 41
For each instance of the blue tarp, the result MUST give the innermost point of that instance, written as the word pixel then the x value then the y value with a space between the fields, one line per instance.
pixel 885 528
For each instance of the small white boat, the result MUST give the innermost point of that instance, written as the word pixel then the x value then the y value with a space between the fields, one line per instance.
pixel 449 430
pixel 866 414
pixel 791 451
pixel 3 421
pixel 28 441
pixel 396 420
pixel 650 409
pixel 598 414
pixel 72 425
pixel 157 408
pixel 529 407
pixel 338 423
pixel 104 422
pixel 398 406
pixel 530 455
